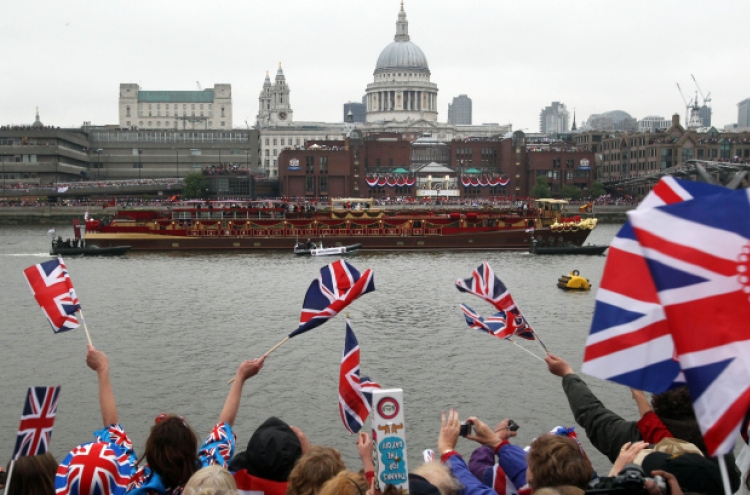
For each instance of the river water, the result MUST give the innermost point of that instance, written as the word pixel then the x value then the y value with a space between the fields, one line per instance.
pixel 176 326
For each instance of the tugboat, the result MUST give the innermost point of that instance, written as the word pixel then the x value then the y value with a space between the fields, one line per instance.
pixel 573 281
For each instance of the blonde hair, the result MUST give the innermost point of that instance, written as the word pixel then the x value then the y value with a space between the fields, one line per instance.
pixel 345 483
pixel 211 480
pixel 439 475
pixel 313 469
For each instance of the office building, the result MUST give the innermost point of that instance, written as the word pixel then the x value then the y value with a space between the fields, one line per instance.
pixel 554 119
pixel 459 112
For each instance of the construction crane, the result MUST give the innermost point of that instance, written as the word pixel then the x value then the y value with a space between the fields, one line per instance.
pixel 688 104
pixel 706 98
pixel 199 86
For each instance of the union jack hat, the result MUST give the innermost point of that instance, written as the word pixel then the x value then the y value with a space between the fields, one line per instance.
pixel 96 468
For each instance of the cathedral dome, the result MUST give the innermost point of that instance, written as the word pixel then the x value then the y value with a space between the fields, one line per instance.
pixel 402 55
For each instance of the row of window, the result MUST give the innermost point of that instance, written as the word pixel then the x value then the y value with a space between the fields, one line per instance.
pixel 141 109
pixel 170 137
pixel 284 141
pixel 176 114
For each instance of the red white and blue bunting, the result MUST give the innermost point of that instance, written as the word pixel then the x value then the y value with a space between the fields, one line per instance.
pixel 484 182
pixel 390 182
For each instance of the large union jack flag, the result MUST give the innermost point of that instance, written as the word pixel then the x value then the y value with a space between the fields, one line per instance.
pixel 355 393
pixel 51 286
pixel 698 255
pixel 338 285
pixel 485 284
pixel 37 420
pixel 96 468
pixel 629 342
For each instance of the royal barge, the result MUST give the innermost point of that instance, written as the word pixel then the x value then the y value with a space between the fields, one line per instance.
pixel 274 225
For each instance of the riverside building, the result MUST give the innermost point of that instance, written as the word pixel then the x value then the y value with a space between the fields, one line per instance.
pixel 207 109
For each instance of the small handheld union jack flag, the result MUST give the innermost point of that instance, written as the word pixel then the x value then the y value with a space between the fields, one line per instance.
pixel 338 285
pixel 484 283
pixel 51 286
pixel 355 392
pixel 37 420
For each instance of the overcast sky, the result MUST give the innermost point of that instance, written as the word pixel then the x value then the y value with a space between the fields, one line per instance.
pixel 511 58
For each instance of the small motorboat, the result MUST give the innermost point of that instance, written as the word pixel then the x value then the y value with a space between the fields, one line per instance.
pixel 591 249
pixel 89 251
pixel 573 281
pixel 312 249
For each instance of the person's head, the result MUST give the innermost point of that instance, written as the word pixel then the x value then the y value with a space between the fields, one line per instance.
pixel 345 483
pixel 172 450
pixel 95 468
pixel 675 409
pixel 211 480
pixel 33 475
pixel 271 452
pixel 556 460
pixel 313 469
pixel 439 475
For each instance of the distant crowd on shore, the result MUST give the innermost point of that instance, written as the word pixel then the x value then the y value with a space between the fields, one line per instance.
pixel 661 452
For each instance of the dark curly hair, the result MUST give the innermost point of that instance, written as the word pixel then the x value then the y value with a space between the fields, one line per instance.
pixel 674 404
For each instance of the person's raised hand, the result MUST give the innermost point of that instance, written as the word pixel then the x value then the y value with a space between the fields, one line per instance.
pixel 557 365
pixel 304 442
pixel 449 432
pixel 364 447
pixel 628 452
pixel 482 433
pixel 96 360
pixel 250 368
pixel 672 484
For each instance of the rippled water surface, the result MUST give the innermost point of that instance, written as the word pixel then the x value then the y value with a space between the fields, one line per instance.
pixel 175 327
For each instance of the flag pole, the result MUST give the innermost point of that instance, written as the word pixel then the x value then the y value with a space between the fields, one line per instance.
pixel 525 350
pixel 88 336
pixel 725 475
pixel 10 475
pixel 540 342
pixel 266 354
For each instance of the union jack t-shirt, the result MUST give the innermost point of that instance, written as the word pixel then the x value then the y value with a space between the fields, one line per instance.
pixel 218 448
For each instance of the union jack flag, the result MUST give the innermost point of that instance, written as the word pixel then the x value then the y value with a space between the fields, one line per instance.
pixel 485 284
pixel 494 325
pixel 37 420
pixel 355 393
pixel 629 342
pixel 698 255
pixel 338 285
pixel 96 468
pixel 51 286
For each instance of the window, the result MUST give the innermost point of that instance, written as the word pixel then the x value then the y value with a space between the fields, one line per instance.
pixel 297 142
pixel 192 106
pixel 268 152
pixel 323 164
pixel 128 111
pixel 309 184
pixel 127 123
pixel 195 152
pixel 282 141
pixel 275 152
pixel 222 123
pixel 309 164
pixel 158 123
pixel 222 112
pixel 323 184
pixel 201 106
pixel 267 140
pixel 274 141
pixel 140 123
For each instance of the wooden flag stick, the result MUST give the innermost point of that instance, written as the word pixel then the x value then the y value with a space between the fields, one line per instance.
pixel 88 336
pixel 266 354
pixel 541 343
pixel 525 350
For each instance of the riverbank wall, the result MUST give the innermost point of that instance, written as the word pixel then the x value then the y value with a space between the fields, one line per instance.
pixel 64 215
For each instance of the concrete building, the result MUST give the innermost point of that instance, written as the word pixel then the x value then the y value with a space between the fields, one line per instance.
pixel 209 109
pixel 743 113
pixel 459 112
pixel 653 123
pixel 355 112
pixel 554 119
pixel 613 121
pixel 628 155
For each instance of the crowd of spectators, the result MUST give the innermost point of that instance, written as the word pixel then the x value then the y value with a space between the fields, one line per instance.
pixel 662 452
pixel 225 169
